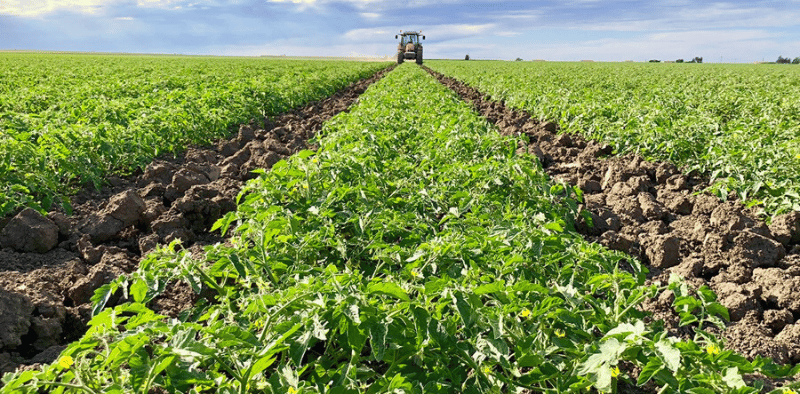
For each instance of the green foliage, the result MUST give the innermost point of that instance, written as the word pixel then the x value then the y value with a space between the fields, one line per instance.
pixel 67 120
pixel 736 123
pixel 415 252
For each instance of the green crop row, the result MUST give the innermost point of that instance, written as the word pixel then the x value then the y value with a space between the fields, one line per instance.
pixel 738 124
pixel 70 120
pixel 415 252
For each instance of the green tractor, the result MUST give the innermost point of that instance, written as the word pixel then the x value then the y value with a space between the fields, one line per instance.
pixel 410 46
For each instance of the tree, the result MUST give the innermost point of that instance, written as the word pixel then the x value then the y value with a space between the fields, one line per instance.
pixel 466 57
pixel 519 59
pixel 679 61
pixel 796 60
pixel 783 60
pixel 655 61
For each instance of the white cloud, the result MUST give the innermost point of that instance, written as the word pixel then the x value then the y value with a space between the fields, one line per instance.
pixel 163 4
pixel 38 8
pixel 527 16
pixel 34 8
pixel 370 15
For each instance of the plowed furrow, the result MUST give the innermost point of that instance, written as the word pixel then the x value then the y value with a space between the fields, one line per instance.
pixel 50 266
pixel 655 213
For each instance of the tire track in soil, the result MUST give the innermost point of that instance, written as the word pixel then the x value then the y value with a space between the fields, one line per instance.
pixel 50 265
pixel 653 212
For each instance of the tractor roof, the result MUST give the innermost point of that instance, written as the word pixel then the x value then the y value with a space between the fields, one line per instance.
pixel 410 33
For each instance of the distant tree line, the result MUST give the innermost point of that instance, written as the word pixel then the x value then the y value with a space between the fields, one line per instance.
pixel 786 60
pixel 697 59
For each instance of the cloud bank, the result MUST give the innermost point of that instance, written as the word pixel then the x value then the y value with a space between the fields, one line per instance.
pixel 566 30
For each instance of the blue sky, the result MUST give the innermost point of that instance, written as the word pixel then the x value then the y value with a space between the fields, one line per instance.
pixel 728 31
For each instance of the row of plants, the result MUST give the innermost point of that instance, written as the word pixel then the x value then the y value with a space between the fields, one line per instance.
pixel 414 252
pixel 71 120
pixel 736 123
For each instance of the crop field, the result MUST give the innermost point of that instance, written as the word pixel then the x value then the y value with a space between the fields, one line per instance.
pixel 420 247
pixel 69 120
pixel 738 124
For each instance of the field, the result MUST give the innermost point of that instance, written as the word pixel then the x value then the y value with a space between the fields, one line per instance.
pixel 737 124
pixel 396 238
pixel 71 120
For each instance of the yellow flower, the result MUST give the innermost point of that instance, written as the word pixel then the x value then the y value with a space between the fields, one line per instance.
pixel 414 274
pixel 789 391
pixel 614 372
pixel 797 157
pixel 65 362
pixel 560 333
pixel 487 370
pixel 292 390
pixel 525 313
pixel 712 349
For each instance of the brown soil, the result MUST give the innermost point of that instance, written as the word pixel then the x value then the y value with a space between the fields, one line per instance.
pixel 51 265
pixel 657 214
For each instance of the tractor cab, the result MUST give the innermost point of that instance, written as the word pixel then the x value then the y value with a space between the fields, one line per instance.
pixel 410 46
pixel 409 39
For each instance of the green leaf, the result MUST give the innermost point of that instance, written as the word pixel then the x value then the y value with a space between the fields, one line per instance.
pixel 706 294
pixel 490 288
pixel 634 331
pixel 700 390
pixel 234 259
pixel 530 360
pixel 554 226
pixel 687 318
pixel 435 286
pixel 733 378
pixel 602 379
pixel 305 153
pixel 164 364
pixel 355 337
pixel 715 308
pixel 464 309
pixel 377 337
pixel 670 355
pixel 262 364
pixel 139 290
pixel 388 288
pixel 103 294
pixel 439 334
pixel 650 369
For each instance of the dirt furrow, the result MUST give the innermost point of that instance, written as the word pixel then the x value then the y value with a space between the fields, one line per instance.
pixel 50 265
pixel 657 214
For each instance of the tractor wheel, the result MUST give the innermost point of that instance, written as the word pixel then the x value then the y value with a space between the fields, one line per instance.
pixel 400 58
pixel 419 57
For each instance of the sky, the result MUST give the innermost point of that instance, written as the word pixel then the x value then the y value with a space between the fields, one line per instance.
pixel 618 30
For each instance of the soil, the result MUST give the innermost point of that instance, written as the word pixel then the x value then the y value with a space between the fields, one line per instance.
pixel 655 213
pixel 50 265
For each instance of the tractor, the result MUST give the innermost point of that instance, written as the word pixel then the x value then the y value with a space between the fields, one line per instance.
pixel 410 46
